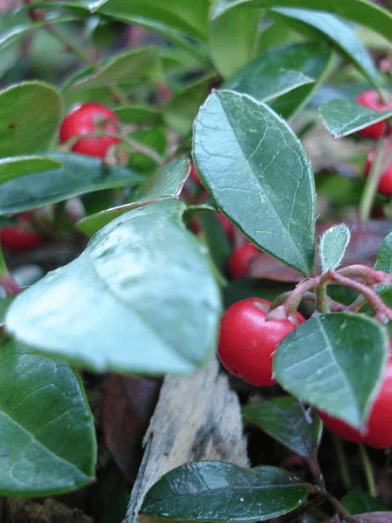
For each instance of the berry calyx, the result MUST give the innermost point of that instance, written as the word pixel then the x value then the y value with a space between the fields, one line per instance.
pixel 247 341
pixel 378 430
pixel 87 119
pixel 385 182
pixel 371 99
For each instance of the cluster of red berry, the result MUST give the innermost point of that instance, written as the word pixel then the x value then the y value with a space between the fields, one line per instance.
pixel 371 99
pixel 247 342
pixel 89 118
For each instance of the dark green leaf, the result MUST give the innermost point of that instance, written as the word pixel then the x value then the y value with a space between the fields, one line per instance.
pixel 273 75
pixel 138 113
pixel 357 502
pixel 227 53
pixel 343 117
pixel 187 17
pixel 47 431
pixel 4 304
pixel 218 491
pixel 181 110
pixel 289 422
pixel 333 245
pixel 258 174
pixel 20 165
pixel 334 362
pixel 166 183
pixel 384 257
pixel 141 298
pixel 29 118
pixel 337 31
pixel 128 67
pixel 363 12
pixel 80 174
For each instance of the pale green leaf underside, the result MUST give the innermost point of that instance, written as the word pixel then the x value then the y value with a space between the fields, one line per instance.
pixel 141 298
pixel 333 244
pixel 343 117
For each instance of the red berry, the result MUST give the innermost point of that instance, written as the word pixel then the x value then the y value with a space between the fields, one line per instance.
pixel 195 176
pixel 247 341
pixel 83 119
pixel 385 182
pixel 371 99
pixel 378 430
pixel 240 259
pixel 17 238
pixel 226 224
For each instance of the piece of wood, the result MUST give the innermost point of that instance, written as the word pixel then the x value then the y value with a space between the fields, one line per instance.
pixel 197 418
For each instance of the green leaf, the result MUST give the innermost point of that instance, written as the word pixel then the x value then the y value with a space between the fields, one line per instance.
pixel 181 110
pixel 166 183
pixel 363 12
pixel 273 75
pixel 343 117
pixel 129 67
pixel 227 53
pixel 29 118
pixel 47 432
pixel 334 362
pixel 4 304
pixel 357 502
pixel 337 31
pixel 139 113
pixel 141 298
pixel 333 244
pixel 289 422
pixel 20 165
pixel 258 174
pixel 189 18
pixel 384 255
pixel 219 491
pixel 80 174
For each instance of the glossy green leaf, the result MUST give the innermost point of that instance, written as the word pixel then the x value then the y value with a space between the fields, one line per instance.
pixel 364 12
pixel 181 110
pixel 219 491
pixel 343 117
pixel 272 76
pixel 334 362
pixel 333 244
pixel 384 256
pixel 139 113
pixel 258 174
pixel 166 183
pixel 128 67
pixel 141 298
pixel 357 502
pixel 18 31
pixel 80 174
pixel 29 118
pixel 228 54
pixel 4 304
pixel 337 31
pixel 187 17
pixel 288 421
pixel 47 431
pixel 20 165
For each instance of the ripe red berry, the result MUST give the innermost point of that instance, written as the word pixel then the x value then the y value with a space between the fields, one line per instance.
pixel 18 238
pixel 240 259
pixel 385 182
pixel 371 99
pixel 247 341
pixel 378 430
pixel 84 119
